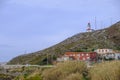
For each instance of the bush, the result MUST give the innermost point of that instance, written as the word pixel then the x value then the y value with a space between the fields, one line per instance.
pixel 36 75
pixel 75 76
pixel 106 71
pixel 65 70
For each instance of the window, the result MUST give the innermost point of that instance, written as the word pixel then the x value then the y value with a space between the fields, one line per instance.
pixel 82 54
pixel 99 50
pixel 106 50
pixel 87 54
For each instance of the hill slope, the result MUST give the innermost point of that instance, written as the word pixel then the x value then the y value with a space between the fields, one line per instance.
pixel 105 38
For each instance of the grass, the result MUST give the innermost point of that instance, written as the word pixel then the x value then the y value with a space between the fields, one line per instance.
pixel 5 77
pixel 73 70
pixel 76 70
pixel 66 70
pixel 30 73
pixel 105 71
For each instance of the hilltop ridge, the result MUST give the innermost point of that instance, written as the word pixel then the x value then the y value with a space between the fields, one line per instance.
pixel 88 41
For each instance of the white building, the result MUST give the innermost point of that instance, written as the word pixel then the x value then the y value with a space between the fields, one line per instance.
pixel 63 58
pixel 104 51
pixel 108 54
pixel 117 56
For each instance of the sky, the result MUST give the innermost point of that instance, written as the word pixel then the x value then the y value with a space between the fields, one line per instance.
pixel 31 25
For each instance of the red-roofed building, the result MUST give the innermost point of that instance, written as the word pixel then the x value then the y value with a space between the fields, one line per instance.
pixel 83 56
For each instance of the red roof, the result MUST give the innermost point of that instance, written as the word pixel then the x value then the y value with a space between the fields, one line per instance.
pixel 67 53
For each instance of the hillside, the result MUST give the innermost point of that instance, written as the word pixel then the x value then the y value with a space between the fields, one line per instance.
pixel 89 41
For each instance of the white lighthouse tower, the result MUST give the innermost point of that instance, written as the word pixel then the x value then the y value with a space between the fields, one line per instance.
pixel 89 28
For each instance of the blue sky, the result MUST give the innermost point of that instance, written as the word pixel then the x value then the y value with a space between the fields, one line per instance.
pixel 30 25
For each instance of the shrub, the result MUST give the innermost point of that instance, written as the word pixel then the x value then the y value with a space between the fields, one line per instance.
pixel 106 71
pixel 35 75
pixel 64 70
pixel 75 76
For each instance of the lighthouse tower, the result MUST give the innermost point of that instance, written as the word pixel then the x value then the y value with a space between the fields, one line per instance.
pixel 89 28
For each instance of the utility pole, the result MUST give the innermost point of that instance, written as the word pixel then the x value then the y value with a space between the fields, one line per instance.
pixel 95 24
pixel 47 58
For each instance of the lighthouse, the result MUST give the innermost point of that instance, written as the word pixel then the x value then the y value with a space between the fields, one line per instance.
pixel 89 28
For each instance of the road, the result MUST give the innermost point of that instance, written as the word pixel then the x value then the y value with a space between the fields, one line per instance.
pixel 20 66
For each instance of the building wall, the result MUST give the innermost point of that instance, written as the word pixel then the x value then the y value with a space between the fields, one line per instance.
pixel 63 58
pixel 104 51
pixel 82 55
pixel 117 56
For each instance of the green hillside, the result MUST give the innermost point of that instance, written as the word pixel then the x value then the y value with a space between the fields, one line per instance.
pixel 89 41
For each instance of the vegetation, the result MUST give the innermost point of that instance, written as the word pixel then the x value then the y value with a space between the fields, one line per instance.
pixel 66 71
pixel 23 73
pixel 5 77
pixel 105 71
pixel 78 71
pixel 71 70
pixel 30 73
pixel 105 38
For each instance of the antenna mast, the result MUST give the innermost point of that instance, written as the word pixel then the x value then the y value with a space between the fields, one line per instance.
pixel 95 24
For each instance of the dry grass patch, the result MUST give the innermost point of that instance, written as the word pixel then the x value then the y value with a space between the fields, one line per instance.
pixel 106 71
pixel 75 76
pixel 65 70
